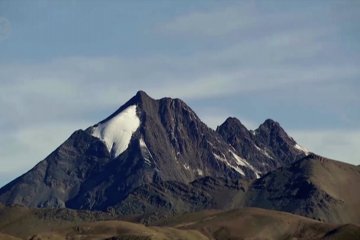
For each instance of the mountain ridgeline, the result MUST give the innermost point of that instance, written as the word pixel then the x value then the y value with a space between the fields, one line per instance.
pixel 156 157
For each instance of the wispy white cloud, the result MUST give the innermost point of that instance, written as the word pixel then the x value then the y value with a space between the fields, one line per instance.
pixel 209 23
pixel 251 20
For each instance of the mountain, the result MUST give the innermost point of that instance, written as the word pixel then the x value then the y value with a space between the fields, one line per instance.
pixel 267 148
pixel 314 187
pixel 18 222
pixel 153 155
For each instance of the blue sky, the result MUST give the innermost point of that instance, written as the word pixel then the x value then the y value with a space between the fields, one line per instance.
pixel 66 65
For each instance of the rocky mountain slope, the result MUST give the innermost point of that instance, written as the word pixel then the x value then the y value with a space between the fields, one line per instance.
pixel 315 187
pixel 147 146
pixel 267 148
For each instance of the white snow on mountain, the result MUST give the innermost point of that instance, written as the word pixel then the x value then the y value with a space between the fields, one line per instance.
pixel 186 166
pixel 223 159
pixel 116 132
pixel 301 148
pixel 145 151
pixel 263 151
pixel 238 159
pixel 142 143
pixel 245 163
pixel 199 172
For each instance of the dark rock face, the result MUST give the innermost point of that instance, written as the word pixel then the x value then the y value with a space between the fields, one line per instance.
pixel 173 162
pixel 60 176
pixel 166 198
pixel 267 148
pixel 272 136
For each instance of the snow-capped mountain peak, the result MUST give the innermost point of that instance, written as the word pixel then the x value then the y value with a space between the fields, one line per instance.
pixel 117 131
pixel 157 143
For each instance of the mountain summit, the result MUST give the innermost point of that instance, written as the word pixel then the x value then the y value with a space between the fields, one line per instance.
pixel 267 148
pixel 157 154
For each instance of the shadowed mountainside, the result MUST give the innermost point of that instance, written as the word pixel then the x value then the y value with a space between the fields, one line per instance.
pixel 315 187
pixel 154 153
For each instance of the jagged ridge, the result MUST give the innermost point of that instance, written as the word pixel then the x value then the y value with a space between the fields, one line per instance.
pixel 169 146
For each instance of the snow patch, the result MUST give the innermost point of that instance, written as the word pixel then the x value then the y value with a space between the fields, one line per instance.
pixel 223 159
pixel 142 143
pixel 238 159
pixel 245 163
pixel 186 166
pixel 145 151
pixel 239 170
pixel 116 132
pixel 301 148
pixel 263 151
pixel 200 172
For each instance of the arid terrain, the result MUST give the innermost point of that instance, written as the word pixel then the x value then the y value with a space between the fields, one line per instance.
pixel 247 223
